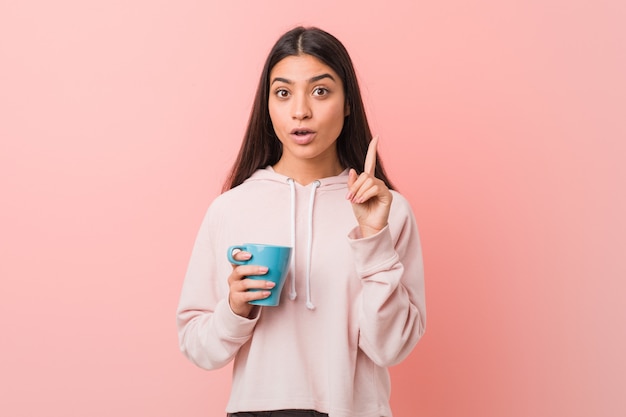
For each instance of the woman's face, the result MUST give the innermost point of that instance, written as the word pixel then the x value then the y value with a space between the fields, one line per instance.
pixel 307 107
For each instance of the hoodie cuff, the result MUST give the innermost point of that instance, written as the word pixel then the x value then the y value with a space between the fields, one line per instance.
pixel 231 325
pixel 374 253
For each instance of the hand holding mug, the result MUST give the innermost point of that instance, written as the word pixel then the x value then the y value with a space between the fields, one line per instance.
pixel 259 274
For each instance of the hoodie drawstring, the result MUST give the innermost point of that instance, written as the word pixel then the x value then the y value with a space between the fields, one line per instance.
pixel 309 303
pixel 292 186
pixel 292 293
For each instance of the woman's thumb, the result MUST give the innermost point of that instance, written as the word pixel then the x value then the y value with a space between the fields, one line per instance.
pixel 352 177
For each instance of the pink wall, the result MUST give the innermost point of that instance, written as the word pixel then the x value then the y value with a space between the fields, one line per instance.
pixel 502 121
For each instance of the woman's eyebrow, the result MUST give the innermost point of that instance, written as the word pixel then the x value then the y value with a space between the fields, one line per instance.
pixel 321 77
pixel 311 80
pixel 281 80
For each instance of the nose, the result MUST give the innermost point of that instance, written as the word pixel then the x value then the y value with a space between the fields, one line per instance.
pixel 301 109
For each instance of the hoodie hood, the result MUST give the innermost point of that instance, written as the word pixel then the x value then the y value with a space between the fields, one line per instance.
pixel 323 184
pixel 331 183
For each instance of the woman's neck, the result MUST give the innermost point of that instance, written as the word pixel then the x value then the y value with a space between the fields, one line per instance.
pixel 305 172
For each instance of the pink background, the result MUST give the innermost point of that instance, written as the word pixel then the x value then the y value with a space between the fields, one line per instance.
pixel 503 122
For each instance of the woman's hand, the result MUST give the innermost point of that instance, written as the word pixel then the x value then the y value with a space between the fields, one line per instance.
pixel 238 284
pixel 370 197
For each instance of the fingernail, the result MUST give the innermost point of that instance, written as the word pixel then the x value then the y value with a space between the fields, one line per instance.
pixel 270 284
pixel 245 255
pixel 263 269
pixel 349 196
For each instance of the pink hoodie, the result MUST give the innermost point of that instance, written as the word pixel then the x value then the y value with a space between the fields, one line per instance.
pixel 352 306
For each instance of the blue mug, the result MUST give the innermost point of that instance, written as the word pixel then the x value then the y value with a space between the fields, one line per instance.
pixel 275 258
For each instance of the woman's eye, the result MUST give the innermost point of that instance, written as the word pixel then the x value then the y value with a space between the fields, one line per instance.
pixel 320 91
pixel 282 93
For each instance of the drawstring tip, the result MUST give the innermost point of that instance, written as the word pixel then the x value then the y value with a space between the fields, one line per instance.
pixel 292 296
pixel 310 305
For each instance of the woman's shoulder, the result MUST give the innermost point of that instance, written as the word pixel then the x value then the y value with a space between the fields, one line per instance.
pixel 230 197
pixel 401 209
pixel 262 184
pixel 400 201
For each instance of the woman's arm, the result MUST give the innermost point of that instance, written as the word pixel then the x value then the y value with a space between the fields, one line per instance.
pixel 210 333
pixel 392 312
pixel 388 259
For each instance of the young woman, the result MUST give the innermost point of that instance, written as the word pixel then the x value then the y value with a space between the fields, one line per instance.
pixel 354 301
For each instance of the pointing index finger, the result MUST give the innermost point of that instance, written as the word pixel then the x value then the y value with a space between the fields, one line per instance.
pixel 370 158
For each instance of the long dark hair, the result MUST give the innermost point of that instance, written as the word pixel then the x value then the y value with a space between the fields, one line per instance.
pixel 261 147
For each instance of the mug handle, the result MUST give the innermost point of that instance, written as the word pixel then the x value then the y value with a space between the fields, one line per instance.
pixel 232 260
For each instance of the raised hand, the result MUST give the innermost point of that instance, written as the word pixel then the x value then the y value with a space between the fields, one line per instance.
pixel 370 197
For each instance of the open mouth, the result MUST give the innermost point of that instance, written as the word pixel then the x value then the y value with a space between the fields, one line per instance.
pixel 302 136
pixel 301 132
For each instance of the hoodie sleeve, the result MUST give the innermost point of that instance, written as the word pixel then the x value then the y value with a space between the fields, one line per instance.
pixel 209 333
pixel 392 316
